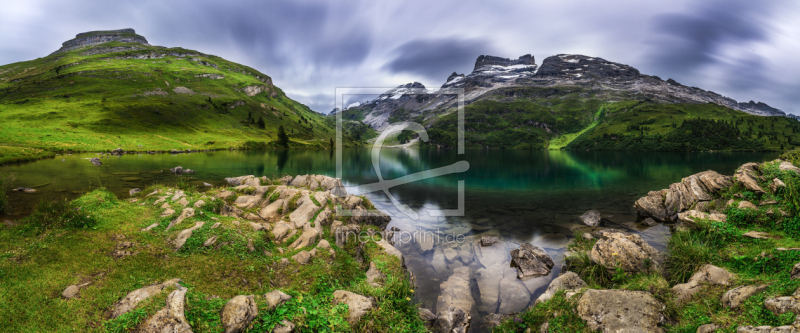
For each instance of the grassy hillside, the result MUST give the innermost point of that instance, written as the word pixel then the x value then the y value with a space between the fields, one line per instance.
pixel 145 98
pixel 573 118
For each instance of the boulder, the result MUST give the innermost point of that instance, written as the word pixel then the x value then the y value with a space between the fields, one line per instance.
pixel 210 241
pixel 734 297
pixel 531 261
pixel 358 305
pixel 302 257
pixel 427 317
pixel 648 222
pixel 620 311
pixel 765 329
pixel 712 181
pixel 170 318
pixel 747 205
pixel 199 204
pixel 374 276
pixel 708 274
pixel 391 250
pixel 95 161
pixel 183 202
pixel 242 180
pixel 747 175
pixel 304 212
pixel 568 280
pixel 271 211
pixel 238 313
pixel 783 304
pixel 591 218
pixel 133 191
pixel 678 199
pixel 371 217
pixel 788 166
pixel 652 205
pixel 276 298
pixel 630 252
pixel 133 298
pixel 696 187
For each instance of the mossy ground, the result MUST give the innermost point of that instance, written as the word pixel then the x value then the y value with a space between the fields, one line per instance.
pixel 754 261
pixel 39 258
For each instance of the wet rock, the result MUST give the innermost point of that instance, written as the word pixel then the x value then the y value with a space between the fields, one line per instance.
pixel 776 185
pixel 747 175
pixel 285 327
pixel 133 191
pixel 427 317
pixel 135 297
pixel 652 205
pixel 182 236
pixel 488 240
pixel 568 280
pixel 374 276
pixel 238 313
pixel 455 301
pixel 708 274
pixel 630 252
pixel 453 319
pixel 450 254
pixel 276 298
pixel 620 311
pixel 358 305
pixel 591 218
pixel 170 318
pixel 95 161
pixel 465 253
pixel 648 222
pixel 531 261
pixel 708 328
pixel 489 286
pixel 514 296
pixel 734 297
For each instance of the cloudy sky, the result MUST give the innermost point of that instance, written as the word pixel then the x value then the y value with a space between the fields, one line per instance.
pixel 746 50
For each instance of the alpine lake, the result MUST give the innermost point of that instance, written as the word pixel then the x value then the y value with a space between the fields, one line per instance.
pixel 517 196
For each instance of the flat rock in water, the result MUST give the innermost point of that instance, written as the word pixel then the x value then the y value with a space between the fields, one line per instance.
pixel 488 240
pixel 514 296
pixel 591 218
pixel 649 222
pixel 489 286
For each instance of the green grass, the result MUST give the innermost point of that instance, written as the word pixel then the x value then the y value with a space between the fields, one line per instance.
pixel 561 142
pixel 77 102
pixel 49 251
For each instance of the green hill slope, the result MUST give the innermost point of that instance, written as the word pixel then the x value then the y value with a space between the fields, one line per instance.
pixel 142 97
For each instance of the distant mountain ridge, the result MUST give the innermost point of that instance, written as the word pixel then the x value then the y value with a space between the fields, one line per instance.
pixel 563 95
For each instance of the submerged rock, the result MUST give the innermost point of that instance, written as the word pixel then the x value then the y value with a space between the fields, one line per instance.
pixel 591 218
pixel 455 302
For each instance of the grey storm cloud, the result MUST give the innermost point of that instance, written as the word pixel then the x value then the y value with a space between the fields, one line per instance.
pixel 741 49
pixel 437 58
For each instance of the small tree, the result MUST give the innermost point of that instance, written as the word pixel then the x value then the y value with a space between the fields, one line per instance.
pixel 261 123
pixel 331 143
pixel 283 139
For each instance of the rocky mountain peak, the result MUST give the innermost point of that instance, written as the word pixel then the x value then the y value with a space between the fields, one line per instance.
pixel 99 37
pixel 412 85
pixel 582 67
pixel 487 60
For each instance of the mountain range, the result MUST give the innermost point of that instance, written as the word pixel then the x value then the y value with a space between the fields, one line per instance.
pixel 516 103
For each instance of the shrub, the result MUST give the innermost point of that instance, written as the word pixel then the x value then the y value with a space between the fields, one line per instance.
pixel 58 214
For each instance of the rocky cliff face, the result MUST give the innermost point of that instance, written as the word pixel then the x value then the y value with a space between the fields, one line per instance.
pixel 100 37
